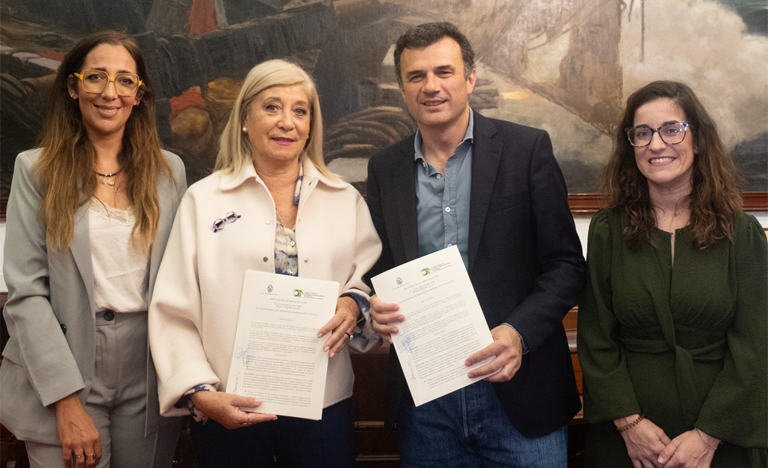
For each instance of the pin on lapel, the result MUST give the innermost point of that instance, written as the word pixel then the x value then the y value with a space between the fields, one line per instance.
pixel 220 223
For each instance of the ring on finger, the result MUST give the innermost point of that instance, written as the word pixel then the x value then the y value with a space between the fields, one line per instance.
pixel 79 455
pixel 90 456
pixel 349 335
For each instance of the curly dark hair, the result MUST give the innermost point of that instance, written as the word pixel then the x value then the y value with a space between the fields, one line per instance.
pixel 715 199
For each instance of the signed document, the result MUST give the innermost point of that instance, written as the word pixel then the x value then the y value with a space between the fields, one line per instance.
pixel 277 357
pixel 443 324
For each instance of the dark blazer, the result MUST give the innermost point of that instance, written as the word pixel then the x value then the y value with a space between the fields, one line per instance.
pixel 51 352
pixel 525 260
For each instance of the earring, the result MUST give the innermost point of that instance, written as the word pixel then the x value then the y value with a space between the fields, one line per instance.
pixel 245 130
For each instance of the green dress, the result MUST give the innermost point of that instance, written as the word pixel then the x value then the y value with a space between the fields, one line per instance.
pixel 682 343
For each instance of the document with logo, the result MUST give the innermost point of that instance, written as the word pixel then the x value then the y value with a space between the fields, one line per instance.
pixel 443 324
pixel 277 357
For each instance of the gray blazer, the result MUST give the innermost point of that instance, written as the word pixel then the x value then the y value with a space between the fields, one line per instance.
pixel 49 312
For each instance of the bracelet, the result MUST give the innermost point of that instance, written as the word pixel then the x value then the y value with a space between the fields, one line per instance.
pixel 698 431
pixel 362 307
pixel 632 424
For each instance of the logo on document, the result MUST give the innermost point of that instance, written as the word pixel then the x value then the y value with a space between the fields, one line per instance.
pixel 270 288
pixel 399 281
pixel 425 271
pixel 297 293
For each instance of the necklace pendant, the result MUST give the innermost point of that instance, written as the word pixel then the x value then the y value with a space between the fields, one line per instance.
pixel 107 179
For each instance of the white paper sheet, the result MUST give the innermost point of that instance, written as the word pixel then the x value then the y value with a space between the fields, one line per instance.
pixel 277 357
pixel 443 325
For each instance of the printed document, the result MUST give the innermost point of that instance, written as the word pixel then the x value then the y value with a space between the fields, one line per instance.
pixel 443 324
pixel 277 357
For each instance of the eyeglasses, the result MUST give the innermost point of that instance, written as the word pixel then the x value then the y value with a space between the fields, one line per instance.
pixel 229 218
pixel 95 81
pixel 670 133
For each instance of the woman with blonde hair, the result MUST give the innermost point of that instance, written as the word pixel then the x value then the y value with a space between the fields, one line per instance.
pixel 673 320
pixel 88 216
pixel 270 206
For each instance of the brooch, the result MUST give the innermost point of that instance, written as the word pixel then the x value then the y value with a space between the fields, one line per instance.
pixel 229 218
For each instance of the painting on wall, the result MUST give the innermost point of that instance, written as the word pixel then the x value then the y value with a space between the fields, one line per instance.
pixel 566 66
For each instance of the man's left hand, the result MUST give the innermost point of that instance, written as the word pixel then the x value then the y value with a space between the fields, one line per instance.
pixel 508 350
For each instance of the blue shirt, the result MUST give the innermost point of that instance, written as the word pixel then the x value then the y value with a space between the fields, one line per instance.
pixel 443 199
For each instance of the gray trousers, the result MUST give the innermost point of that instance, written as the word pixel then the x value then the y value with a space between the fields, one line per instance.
pixel 117 402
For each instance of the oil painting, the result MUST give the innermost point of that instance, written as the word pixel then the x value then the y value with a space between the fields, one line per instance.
pixel 566 66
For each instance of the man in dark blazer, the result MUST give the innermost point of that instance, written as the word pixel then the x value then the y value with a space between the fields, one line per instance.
pixel 494 189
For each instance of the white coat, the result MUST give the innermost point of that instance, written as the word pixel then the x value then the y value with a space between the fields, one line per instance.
pixel 194 310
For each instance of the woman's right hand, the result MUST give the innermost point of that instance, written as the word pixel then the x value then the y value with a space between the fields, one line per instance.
pixel 79 437
pixel 644 441
pixel 224 408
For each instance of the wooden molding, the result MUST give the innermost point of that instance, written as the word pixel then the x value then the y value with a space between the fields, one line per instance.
pixel 755 201
pixel 589 203
pixel 585 203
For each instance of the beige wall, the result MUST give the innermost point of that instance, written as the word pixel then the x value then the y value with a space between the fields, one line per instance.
pixel 582 226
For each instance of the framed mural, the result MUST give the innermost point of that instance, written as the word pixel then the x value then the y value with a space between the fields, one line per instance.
pixel 565 66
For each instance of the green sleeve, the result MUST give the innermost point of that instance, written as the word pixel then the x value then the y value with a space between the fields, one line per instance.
pixel 736 408
pixel 608 390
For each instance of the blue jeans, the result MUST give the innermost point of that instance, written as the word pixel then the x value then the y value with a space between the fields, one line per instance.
pixel 468 428
pixel 284 443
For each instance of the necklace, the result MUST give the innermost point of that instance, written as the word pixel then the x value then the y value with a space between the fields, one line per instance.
pixel 296 192
pixel 107 178
pixel 681 214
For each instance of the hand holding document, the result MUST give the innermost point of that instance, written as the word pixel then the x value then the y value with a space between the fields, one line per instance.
pixel 443 324
pixel 277 357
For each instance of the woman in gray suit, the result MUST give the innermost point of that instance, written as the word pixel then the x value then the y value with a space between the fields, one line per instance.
pixel 88 217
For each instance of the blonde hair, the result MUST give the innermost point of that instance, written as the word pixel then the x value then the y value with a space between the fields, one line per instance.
pixel 65 167
pixel 235 151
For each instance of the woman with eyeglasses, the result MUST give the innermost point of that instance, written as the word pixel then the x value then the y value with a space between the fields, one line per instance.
pixel 271 206
pixel 673 320
pixel 88 218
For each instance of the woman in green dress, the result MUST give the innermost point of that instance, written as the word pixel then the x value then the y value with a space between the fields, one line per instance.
pixel 673 321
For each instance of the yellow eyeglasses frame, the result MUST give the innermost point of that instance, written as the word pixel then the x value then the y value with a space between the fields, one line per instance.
pixel 110 79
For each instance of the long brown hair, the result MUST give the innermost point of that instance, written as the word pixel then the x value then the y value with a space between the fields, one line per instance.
pixel 65 167
pixel 715 199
